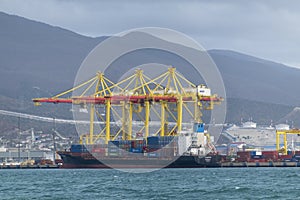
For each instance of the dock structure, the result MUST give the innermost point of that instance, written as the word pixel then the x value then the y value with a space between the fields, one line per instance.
pixel 260 164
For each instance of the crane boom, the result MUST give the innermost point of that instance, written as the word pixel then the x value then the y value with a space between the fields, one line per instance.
pixel 168 97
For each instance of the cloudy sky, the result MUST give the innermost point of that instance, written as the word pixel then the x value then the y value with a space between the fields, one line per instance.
pixel 266 29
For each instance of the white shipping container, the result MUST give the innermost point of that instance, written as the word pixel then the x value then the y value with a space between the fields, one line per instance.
pixel 190 90
pixel 203 91
pixel 161 92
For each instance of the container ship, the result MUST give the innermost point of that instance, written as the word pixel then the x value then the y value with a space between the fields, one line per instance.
pixel 152 122
pixel 140 122
pixel 189 150
pixel 87 160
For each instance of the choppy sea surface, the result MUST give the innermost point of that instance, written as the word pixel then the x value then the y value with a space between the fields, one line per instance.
pixel 220 183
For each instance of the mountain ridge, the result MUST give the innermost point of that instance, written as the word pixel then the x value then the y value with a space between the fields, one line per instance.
pixel 40 60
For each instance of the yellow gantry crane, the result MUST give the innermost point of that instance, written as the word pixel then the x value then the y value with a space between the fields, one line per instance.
pixel 135 102
pixel 284 133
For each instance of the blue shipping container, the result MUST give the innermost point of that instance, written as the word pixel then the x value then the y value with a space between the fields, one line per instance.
pixel 153 154
pixel 297 156
pixel 153 140
pixel 136 150
pixel 77 146
pixel 113 154
pixel 113 150
pixel 76 150
pixel 199 127
pixel 113 143
pixel 256 157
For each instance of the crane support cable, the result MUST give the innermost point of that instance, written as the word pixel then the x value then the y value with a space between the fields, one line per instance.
pixel 75 88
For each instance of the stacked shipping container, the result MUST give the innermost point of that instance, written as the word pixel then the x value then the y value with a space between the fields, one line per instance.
pixel 166 146
pixel 266 156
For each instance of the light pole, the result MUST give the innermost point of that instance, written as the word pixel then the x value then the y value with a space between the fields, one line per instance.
pixel 19 138
pixel 53 135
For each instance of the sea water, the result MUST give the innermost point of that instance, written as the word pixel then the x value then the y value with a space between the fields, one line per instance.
pixel 205 183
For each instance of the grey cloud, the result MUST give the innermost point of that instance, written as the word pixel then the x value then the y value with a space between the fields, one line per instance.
pixel 267 29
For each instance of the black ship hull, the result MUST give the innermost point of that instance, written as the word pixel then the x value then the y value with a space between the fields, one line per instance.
pixel 87 160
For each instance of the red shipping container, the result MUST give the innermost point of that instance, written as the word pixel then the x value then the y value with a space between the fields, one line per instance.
pixel 270 155
pixel 258 160
pixel 297 153
pixel 243 159
pixel 285 157
pixel 244 153
pixel 269 152
pixel 243 156
pixel 98 150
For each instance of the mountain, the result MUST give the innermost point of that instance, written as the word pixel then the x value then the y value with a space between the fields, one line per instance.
pixel 293 117
pixel 36 55
pixel 38 60
pixel 256 79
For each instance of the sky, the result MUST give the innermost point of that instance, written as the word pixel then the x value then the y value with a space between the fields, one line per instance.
pixel 268 29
